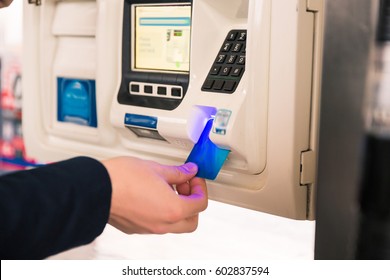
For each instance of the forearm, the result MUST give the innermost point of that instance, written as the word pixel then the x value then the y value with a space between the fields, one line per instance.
pixel 53 208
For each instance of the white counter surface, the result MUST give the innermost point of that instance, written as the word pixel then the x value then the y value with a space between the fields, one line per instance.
pixel 224 232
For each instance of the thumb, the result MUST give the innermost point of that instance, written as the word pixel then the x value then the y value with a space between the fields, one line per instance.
pixel 179 174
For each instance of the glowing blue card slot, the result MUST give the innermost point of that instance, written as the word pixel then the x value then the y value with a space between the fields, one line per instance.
pixel 141 121
pixel 208 156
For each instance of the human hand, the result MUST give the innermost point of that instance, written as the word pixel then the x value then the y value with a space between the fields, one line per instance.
pixel 144 200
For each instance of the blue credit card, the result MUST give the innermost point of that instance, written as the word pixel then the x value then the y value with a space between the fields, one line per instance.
pixel 208 156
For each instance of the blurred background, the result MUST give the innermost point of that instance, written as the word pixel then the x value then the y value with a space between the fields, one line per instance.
pixel 12 151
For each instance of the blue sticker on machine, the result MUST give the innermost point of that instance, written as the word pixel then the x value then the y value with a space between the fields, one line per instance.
pixel 208 156
pixel 141 121
pixel 76 101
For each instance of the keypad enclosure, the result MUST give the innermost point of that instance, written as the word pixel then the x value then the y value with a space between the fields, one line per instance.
pixel 229 65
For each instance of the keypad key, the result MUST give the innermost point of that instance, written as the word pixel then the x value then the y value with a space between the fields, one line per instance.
pixel 242 36
pixel 221 58
pixel 226 47
pixel 236 71
pixel 215 70
pixel 241 60
pixel 208 84
pixel 229 85
pixel 231 59
pixel 232 36
pixel 226 71
pixel 218 84
pixel 243 49
pixel 237 47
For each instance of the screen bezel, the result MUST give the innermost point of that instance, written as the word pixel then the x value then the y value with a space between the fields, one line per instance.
pixel 129 76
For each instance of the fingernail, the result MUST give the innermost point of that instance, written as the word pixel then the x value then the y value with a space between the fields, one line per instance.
pixel 190 167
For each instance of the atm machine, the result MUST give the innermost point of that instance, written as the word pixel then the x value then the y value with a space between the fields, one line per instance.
pixel 152 78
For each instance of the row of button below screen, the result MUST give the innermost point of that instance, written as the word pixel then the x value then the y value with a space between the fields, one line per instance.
pixel 226 85
pixel 163 91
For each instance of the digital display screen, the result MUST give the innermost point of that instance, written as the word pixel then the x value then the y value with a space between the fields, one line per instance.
pixel 162 38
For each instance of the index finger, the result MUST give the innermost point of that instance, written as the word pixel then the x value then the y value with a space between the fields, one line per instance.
pixel 197 201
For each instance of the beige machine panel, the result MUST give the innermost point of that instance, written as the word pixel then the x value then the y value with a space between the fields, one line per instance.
pixel 269 114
